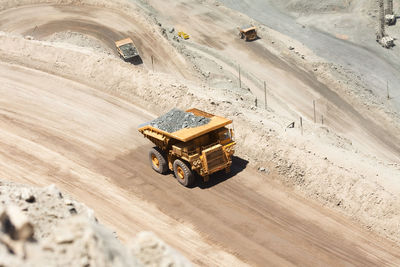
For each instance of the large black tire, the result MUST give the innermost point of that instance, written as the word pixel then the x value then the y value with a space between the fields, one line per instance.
pixel 157 160
pixel 183 173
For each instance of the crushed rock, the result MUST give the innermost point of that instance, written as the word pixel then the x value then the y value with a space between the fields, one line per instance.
pixel 37 228
pixel 152 251
pixel 177 119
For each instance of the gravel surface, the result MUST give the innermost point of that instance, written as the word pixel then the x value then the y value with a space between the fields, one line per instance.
pixel 373 63
pixel 177 119
pixel 42 227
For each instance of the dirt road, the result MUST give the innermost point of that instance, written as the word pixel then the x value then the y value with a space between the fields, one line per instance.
pixel 289 87
pixel 376 65
pixel 42 21
pixel 54 130
pixel 57 131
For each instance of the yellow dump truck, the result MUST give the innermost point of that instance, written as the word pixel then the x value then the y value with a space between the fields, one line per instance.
pixel 127 50
pixel 203 149
pixel 249 33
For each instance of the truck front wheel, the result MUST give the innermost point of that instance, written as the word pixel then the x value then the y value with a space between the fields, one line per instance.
pixel 158 161
pixel 183 173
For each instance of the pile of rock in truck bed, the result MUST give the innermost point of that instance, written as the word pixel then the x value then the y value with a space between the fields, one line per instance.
pixel 177 119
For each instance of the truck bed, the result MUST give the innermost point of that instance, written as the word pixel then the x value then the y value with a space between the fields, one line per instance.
pixel 187 134
pixel 127 48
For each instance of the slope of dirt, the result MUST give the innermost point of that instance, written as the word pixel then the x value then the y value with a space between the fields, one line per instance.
pixel 62 110
pixel 291 87
pixel 105 25
pixel 86 142
pixel 344 36
pixel 84 158
pixel 43 227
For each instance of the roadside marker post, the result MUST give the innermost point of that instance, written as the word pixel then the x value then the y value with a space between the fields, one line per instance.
pixel 301 125
pixel 265 95
pixel 315 119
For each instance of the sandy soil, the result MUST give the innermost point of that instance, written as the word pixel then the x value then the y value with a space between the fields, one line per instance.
pixel 102 24
pixel 342 32
pixel 291 89
pixel 58 131
pixel 58 127
pixel 46 227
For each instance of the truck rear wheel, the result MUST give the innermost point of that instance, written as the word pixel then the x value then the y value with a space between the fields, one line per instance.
pixel 157 160
pixel 183 173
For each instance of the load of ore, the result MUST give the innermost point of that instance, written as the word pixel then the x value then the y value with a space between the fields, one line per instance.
pixel 177 119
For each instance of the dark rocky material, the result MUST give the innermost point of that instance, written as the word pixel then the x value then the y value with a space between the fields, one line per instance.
pixel 177 119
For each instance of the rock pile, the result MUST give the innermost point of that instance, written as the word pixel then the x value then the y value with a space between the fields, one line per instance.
pixel 387 42
pixel 390 19
pixel 177 119
pixel 40 227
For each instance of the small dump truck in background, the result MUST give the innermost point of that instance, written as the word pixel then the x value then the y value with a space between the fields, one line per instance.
pixel 204 150
pixel 127 50
pixel 249 33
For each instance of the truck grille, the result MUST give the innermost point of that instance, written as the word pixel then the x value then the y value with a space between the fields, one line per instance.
pixel 215 158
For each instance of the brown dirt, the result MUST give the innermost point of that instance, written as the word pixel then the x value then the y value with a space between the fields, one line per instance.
pixel 101 160
pixel 55 130
pixel 53 18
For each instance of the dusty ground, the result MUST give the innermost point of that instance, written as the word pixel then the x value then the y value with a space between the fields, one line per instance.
pixel 98 157
pixel 342 32
pixel 43 226
pixel 291 88
pixel 69 116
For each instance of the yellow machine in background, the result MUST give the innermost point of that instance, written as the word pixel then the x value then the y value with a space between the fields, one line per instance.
pixel 204 149
pixel 183 35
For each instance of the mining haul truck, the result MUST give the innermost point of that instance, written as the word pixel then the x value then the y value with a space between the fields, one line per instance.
pixel 127 50
pixel 249 33
pixel 203 149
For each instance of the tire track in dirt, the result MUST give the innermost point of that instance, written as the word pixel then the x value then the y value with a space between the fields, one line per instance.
pixel 77 134
pixel 108 26
pixel 56 130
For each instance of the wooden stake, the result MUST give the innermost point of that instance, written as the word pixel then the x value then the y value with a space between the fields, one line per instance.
pixel 322 119
pixel 387 89
pixel 301 125
pixel 36 27
pixel 315 118
pixel 152 63
pixel 265 95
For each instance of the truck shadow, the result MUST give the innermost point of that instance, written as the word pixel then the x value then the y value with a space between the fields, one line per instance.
pixel 238 165
pixel 136 60
pixel 257 38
